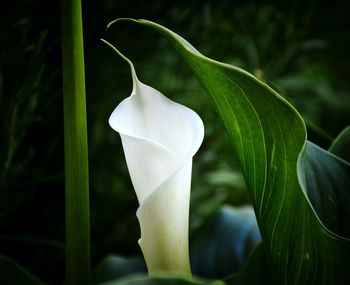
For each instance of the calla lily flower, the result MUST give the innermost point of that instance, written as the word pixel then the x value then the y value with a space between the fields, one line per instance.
pixel 159 138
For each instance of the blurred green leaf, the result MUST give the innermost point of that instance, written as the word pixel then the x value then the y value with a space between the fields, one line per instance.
pixel 221 247
pixel 341 145
pixel 11 273
pixel 113 267
pixel 269 136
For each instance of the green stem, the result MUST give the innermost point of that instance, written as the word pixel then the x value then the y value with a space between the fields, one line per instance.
pixel 75 146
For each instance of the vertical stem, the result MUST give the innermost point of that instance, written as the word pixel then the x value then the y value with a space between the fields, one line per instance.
pixel 75 146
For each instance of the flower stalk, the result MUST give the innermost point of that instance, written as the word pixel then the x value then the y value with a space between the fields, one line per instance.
pixel 75 146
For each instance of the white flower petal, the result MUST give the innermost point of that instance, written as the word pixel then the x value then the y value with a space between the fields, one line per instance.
pixel 159 138
pixel 164 224
pixel 149 164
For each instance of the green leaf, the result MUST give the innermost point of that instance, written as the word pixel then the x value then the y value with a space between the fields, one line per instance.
pixel 255 271
pixel 324 178
pixel 340 145
pixel 302 244
pixel 160 280
pixel 11 273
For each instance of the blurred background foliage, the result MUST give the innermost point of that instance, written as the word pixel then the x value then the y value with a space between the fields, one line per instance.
pixel 300 48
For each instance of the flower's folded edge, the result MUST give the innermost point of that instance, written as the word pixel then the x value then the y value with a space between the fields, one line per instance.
pixel 164 222
pixel 191 152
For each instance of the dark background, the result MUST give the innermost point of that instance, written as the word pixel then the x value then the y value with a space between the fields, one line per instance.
pixel 300 48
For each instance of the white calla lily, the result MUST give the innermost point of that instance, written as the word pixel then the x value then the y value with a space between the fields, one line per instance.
pixel 159 138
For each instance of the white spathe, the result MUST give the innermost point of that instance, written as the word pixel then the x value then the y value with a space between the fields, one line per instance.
pixel 160 138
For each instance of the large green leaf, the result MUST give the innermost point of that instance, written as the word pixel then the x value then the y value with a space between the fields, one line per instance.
pixel 305 238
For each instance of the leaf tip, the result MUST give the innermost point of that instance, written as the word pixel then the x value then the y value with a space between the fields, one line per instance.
pixel 123 19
